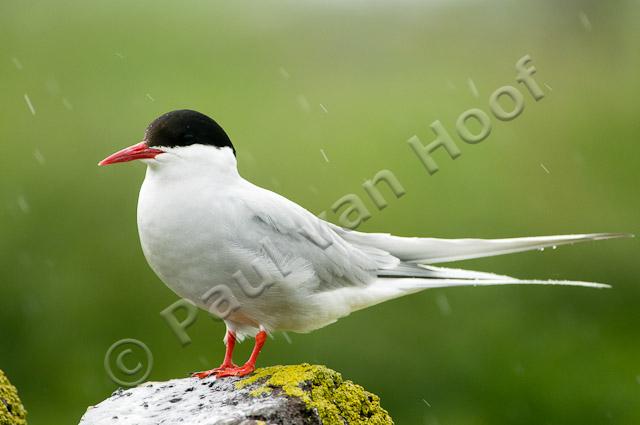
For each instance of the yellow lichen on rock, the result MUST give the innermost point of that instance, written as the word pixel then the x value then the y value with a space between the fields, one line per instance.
pixel 11 410
pixel 321 389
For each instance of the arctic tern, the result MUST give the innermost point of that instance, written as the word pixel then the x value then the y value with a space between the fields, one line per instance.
pixel 203 226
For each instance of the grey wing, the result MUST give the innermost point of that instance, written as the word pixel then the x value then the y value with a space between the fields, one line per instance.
pixel 292 238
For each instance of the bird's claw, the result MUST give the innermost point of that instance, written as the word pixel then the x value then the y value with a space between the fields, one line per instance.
pixel 235 371
pixel 214 371
pixel 203 374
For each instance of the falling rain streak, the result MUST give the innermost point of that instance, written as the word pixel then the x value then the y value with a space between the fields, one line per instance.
pixel 29 104
pixel 584 20
pixel 473 88
pixel 17 63
pixel 23 204
pixel 38 156
pixel 67 104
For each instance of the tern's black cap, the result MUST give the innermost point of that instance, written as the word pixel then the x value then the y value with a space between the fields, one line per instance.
pixel 184 128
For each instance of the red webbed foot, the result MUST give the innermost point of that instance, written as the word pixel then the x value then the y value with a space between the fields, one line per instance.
pixel 203 374
pixel 237 371
pixel 227 368
pixel 215 371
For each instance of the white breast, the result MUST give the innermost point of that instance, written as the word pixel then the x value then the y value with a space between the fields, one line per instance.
pixel 185 224
pixel 200 224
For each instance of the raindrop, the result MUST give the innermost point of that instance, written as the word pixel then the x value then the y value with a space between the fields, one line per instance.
pixel 29 104
pixel 203 360
pixel 17 63
pixel 584 20
pixel 53 86
pixel 67 104
pixel 23 204
pixel 284 73
pixel 38 156
pixel 443 304
pixel 304 103
pixel 473 88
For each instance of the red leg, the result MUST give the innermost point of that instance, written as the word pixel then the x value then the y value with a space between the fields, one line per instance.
pixel 228 354
pixel 250 365
pixel 227 363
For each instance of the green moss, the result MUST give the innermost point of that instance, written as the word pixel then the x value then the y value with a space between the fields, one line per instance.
pixel 320 388
pixel 11 410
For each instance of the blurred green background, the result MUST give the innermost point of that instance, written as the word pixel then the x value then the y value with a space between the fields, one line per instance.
pixel 73 278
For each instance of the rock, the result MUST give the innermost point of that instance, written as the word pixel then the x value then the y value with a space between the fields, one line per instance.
pixel 297 394
pixel 11 410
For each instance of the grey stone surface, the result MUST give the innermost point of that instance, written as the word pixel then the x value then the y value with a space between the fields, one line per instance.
pixel 291 395
pixel 197 402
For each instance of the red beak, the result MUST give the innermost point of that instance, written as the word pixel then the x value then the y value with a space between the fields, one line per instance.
pixel 137 151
